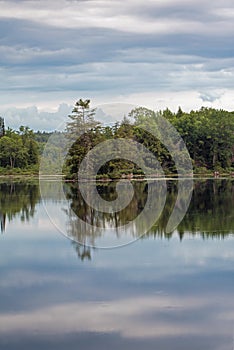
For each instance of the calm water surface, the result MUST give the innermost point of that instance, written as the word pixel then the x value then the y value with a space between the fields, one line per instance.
pixel 164 291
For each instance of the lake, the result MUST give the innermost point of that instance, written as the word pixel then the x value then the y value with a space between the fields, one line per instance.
pixel 64 286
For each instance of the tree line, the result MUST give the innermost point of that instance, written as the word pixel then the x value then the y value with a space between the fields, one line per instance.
pixel 20 150
pixel 208 134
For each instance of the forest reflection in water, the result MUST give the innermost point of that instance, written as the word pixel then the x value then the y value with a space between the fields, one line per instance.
pixel 210 213
pixel 18 198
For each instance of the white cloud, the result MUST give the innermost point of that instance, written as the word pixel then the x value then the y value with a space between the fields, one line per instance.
pixel 187 100
pixel 36 119
pixel 114 107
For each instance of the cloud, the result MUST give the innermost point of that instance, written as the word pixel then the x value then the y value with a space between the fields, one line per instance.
pixel 107 114
pixel 111 112
pixel 15 117
pixel 104 50
pixel 210 96
pixel 126 16
pixel 118 106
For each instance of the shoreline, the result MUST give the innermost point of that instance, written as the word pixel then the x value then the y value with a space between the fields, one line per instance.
pixel 206 176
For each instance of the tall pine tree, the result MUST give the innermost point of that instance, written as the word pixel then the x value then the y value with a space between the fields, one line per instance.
pixel 80 130
pixel 2 127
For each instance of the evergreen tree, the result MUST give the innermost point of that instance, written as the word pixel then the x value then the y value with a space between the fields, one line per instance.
pixel 81 130
pixel 33 154
pixel 2 127
pixel 82 119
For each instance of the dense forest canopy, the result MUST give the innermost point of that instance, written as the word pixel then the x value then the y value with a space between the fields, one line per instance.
pixel 208 134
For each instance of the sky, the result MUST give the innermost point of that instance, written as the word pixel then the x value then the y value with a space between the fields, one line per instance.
pixel 154 53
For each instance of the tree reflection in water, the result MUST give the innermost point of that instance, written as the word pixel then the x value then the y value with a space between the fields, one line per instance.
pixel 18 199
pixel 210 213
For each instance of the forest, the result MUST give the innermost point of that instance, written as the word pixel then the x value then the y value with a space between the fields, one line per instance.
pixel 208 134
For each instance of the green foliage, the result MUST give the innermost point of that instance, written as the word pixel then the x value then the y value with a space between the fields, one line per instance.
pixel 85 133
pixel 81 120
pixel 208 134
pixel 209 137
pixel 18 149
